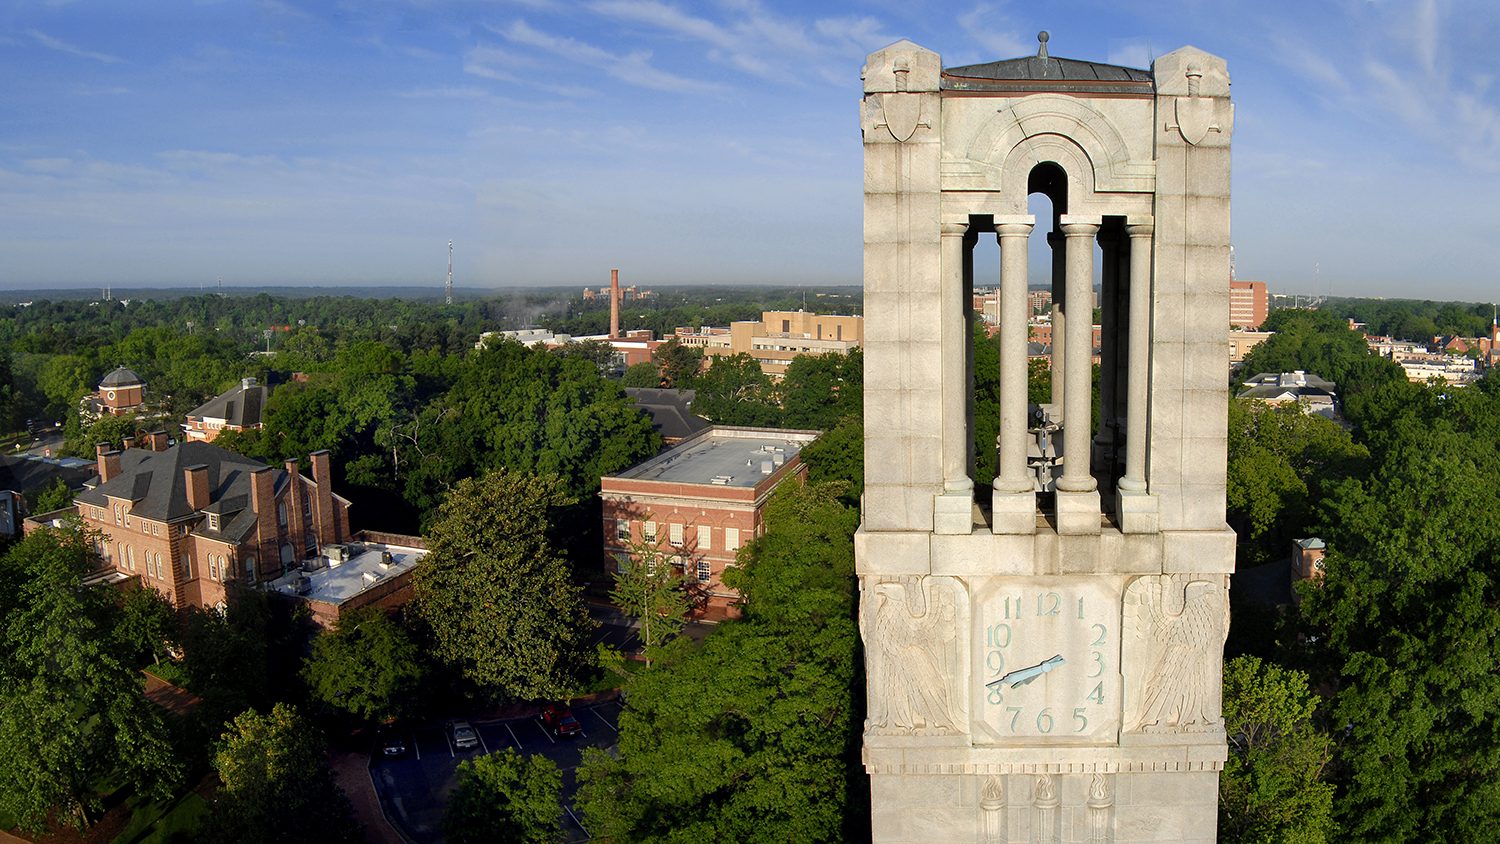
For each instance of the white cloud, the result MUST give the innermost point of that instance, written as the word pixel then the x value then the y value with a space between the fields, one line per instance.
pixel 633 68
pixel 1130 54
pixel 993 29
pixel 73 50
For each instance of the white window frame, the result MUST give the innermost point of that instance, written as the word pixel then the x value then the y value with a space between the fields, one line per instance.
pixel 622 530
pixel 705 538
pixel 705 570
pixel 674 533
pixel 648 531
pixel 731 539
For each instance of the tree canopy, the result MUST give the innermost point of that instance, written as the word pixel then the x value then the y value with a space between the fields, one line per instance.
pixel 497 595
pixel 505 796
pixel 752 734
pixel 366 666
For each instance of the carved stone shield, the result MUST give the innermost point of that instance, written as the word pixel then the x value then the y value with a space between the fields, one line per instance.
pixel 1195 116
pixel 902 113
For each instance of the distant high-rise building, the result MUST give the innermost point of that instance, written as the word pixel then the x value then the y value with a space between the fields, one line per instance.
pixel 1248 301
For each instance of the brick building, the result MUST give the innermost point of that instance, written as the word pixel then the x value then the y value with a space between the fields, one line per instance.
pixel 120 392
pixel 239 409
pixel 700 502
pixel 778 337
pixel 191 518
pixel 1248 304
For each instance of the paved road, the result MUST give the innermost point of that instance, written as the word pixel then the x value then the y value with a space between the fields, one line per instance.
pixel 414 788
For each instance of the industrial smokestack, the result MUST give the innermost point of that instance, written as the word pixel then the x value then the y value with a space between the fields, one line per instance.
pixel 614 304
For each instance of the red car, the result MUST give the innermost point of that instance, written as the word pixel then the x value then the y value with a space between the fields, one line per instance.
pixel 559 720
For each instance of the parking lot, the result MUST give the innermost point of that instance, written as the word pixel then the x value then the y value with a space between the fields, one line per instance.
pixel 414 788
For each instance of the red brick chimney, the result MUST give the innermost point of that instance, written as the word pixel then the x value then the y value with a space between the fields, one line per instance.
pixel 263 502
pixel 325 520
pixel 129 443
pixel 157 440
pixel 614 304
pixel 196 480
pixel 296 534
pixel 108 460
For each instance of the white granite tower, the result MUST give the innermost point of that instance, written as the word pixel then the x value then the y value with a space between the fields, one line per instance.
pixel 1044 657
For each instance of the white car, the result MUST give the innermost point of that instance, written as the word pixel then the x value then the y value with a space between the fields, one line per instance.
pixel 463 735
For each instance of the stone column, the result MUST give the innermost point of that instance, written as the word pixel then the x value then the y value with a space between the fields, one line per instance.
pixel 1077 493
pixel 1136 510
pixel 1014 500
pixel 953 508
pixel 1059 244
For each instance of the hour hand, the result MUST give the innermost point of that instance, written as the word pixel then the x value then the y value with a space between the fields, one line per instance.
pixel 1022 676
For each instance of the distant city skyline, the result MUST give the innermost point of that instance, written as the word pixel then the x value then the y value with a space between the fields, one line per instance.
pixel 292 143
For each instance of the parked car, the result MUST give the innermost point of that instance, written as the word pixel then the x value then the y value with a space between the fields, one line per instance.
pixel 559 720
pixel 463 735
pixel 391 742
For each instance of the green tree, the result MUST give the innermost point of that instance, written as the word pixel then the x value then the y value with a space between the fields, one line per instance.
pixel 277 785
pixel 71 713
pixel 55 496
pixel 752 734
pixel 643 374
pixel 147 624
pixel 838 456
pixel 735 391
pixel 1405 625
pixel 505 796
pixel 653 591
pixel 366 665
pixel 496 593
pixel 679 364
pixel 820 390
pixel 1272 788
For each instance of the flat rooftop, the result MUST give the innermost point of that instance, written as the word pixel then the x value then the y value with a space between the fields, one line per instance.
pixel 335 582
pixel 724 456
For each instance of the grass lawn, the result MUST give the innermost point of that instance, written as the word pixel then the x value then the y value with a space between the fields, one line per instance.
pixel 174 819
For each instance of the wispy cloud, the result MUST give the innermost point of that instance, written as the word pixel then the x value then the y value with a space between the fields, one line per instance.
pixel 991 26
pixel 445 93
pixel 633 68
pixel 759 42
pixel 73 50
pixel 1134 53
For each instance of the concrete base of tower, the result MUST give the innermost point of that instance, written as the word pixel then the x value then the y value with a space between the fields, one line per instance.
pixel 1078 512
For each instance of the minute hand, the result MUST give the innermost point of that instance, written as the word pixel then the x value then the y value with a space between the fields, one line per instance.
pixel 1022 676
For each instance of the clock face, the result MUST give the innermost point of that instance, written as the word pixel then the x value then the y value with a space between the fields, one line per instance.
pixel 1046 657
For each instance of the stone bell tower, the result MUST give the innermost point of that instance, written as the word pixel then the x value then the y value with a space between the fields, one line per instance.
pixel 1044 655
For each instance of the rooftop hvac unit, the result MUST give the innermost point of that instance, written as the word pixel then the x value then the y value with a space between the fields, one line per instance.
pixel 779 459
pixel 313 564
pixel 338 553
pixel 371 577
pixel 301 585
pixel 721 480
pixel 766 467
pixel 387 559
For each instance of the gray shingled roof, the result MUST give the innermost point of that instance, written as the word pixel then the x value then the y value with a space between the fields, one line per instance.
pixel 121 377
pixel 154 482
pixel 670 410
pixel 241 406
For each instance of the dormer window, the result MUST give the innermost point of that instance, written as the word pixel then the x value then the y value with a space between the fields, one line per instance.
pixel 213 521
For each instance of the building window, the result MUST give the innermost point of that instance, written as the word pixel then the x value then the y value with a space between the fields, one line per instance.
pixel 674 533
pixel 704 572
pixel 705 538
pixel 214 567
pixel 648 530
pixel 130 555
pixel 213 521
pixel 731 539
pixel 250 569
pixel 622 530
pixel 622 563
pixel 281 513
pixel 119 515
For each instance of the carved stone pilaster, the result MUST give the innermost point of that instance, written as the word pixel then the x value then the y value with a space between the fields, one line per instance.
pixel 1101 803
pixel 1044 810
pixel 992 811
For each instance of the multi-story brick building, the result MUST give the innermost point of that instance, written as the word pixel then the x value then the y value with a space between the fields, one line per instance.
pixel 239 409
pixel 700 502
pixel 1248 304
pixel 190 519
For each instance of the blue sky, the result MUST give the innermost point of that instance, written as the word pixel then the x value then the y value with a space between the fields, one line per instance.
pixel 291 142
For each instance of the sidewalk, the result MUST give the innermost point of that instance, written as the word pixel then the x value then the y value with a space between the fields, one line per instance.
pixel 352 772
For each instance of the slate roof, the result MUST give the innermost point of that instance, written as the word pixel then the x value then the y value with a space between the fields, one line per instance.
pixel 121 377
pixel 154 482
pixel 1043 72
pixel 241 406
pixel 24 474
pixel 670 410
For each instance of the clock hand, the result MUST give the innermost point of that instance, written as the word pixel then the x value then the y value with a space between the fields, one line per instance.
pixel 1022 676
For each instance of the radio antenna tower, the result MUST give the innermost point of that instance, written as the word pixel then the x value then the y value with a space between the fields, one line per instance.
pixel 448 288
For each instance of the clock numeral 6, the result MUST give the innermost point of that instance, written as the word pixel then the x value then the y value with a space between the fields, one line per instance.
pixel 1044 721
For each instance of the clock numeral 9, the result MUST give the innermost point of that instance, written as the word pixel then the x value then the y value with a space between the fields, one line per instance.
pixel 995 661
